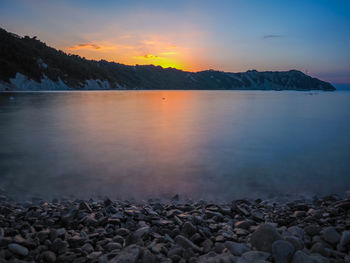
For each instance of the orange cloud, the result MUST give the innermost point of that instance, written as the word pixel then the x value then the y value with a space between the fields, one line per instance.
pixel 150 56
pixel 88 46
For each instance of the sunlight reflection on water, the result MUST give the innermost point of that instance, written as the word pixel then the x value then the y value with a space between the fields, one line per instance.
pixel 199 144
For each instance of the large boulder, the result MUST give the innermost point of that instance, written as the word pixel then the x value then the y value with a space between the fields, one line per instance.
pixel 264 236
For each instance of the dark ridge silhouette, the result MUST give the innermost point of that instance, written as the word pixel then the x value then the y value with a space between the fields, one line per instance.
pixel 37 62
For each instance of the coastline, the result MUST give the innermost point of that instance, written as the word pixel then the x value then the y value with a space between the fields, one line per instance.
pixel 105 230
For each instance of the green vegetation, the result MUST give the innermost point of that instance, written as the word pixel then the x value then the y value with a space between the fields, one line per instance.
pixel 34 59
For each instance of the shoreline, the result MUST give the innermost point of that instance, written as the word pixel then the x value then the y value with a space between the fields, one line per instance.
pixel 152 231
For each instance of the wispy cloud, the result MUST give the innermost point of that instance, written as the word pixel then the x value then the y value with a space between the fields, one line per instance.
pixel 87 46
pixel 147 56
pixel 271 36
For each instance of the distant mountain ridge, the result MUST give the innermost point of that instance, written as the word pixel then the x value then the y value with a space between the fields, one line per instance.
pixel 29 64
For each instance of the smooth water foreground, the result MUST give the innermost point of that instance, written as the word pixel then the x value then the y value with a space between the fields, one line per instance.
pixel 198 144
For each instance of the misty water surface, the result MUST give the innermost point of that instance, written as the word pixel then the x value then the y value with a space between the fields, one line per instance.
pixel 199 144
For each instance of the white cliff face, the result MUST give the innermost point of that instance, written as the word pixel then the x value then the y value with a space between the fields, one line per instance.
pixel 22 83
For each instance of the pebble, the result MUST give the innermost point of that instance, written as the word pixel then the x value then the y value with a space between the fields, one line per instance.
pixel 330 235
pixel 18 249
pixel 237 249
pixel 302 257
pixel 243 231
pixel 264 236
pixel 282 251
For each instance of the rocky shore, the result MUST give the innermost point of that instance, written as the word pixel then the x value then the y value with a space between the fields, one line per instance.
pixel 176 231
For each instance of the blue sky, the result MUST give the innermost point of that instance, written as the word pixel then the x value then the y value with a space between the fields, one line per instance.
pixel 236 35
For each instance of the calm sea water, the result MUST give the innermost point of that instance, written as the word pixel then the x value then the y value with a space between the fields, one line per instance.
pixel 198 144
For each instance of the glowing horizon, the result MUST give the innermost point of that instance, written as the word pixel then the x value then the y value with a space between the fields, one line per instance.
pixel 232 35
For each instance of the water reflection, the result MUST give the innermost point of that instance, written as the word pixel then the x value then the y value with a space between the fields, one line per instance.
pixel 200 144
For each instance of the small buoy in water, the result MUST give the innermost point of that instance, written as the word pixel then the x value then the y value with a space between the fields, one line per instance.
pixel 12 98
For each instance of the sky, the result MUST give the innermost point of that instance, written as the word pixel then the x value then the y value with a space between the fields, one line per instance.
pixel 229 35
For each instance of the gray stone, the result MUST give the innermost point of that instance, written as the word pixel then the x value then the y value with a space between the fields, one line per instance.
pixel 255 256
pixel 245 224
pixel 188 229
pixel 345 238
pixel 330 235
pixel 282 251
pixel 318 248
pixel 123 232
pixel 258 216
pixel 312 230
pixel 147 257
pixel 263 237
pixel 18 249
pixel 236 249
pixel 319 259
pixel 302 257
pixel 139 233
pixel 94 255
pixel 85 206
pixel 88 248
pixel 49 256
pixel 296 231
pixel 113 245
pixel 296 242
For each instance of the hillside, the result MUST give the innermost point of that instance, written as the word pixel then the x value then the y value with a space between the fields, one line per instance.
pixel 28 64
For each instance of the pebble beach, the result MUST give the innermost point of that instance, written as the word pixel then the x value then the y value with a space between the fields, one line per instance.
pixel 242 231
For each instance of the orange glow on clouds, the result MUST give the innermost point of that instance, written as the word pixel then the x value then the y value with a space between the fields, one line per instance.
pixel 131 50
pixel 80 46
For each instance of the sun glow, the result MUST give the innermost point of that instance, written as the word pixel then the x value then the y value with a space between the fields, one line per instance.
pixel 137 50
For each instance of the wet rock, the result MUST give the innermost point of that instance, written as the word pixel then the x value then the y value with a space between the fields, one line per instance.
pixel 282 251
pixel 330 235
pixel 264 236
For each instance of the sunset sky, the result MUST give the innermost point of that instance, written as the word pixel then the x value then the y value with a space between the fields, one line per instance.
pixel 231 35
